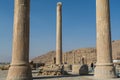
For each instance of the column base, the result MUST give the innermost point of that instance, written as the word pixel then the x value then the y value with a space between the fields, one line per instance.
pixel 17 72
pixel 104 72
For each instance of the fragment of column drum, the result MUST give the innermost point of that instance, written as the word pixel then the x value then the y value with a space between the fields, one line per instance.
pixel 78 69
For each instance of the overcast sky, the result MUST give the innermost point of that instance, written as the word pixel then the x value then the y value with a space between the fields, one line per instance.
pixel 79 25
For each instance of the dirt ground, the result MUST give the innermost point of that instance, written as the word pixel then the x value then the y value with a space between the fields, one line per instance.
pixel 3 75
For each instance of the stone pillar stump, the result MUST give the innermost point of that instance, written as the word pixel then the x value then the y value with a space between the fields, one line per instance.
pixel 76 69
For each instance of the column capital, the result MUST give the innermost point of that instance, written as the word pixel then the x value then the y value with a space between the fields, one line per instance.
pixel 59 4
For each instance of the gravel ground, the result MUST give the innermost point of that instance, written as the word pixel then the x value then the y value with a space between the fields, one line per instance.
pixel 3 75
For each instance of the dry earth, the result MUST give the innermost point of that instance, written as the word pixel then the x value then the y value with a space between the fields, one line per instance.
pixel 88 53
pixel 3 75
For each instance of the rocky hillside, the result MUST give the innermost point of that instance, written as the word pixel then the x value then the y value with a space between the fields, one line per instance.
pixel 75 56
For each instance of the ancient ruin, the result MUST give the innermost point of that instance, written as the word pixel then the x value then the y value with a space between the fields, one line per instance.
pixel 20 68
pixel 56 68
pixel 59 34
pixel 104 66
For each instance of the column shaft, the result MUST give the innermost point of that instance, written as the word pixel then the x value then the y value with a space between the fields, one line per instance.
pixel 59 34
pixel 104 66
pixel 74 58
pixel 20 68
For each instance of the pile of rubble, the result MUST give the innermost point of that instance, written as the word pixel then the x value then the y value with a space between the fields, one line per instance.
pixel 51 70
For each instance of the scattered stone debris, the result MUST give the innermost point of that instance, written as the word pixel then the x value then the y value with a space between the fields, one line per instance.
pixel 51 70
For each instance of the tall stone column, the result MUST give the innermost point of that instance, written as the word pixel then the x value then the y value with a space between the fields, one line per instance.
pixel 104 66
pixel 54 60
pixel 74 58
pixel 83 61
pixel 59 34
pixel 20 68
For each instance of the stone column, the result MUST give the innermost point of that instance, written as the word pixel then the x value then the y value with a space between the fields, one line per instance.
pixel 104 66
pixel 64 58
pixel 59 34
pixel 83 61
pixel 54 60
pixel 74 58
pixel 20 68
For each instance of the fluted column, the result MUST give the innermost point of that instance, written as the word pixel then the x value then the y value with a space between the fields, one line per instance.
pixel 59 34
pixel 20 68
pixel 104 66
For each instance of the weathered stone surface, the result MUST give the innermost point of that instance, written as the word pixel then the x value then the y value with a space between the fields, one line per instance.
pixel 80 69
pixel 67 67
pixel 104 66
pixel 83 70
pixel 20 68
pixel 76 68
pixel 59 34
pixel 52 70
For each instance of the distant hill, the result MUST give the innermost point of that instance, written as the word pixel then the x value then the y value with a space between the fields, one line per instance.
pixel 89 55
